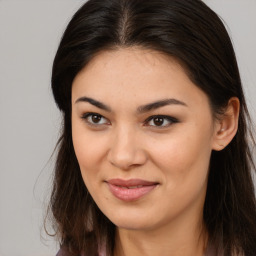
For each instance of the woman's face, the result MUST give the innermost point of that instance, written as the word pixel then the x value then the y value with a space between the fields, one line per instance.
pixel 143 135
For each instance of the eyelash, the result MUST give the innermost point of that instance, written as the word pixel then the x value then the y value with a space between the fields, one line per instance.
pixel 169 119
pixel 86 116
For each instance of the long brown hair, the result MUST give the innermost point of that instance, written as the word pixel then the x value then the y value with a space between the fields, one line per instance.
pixel 193 34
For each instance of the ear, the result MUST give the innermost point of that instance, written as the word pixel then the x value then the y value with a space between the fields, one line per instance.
pixel 226 126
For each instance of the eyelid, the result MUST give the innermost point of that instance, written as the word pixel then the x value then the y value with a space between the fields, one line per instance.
pixel 85 116
pixel 171 120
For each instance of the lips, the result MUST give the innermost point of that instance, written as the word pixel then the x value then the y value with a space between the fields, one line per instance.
pixel 130 190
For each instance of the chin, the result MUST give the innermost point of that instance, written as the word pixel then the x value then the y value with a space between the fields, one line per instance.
pixel 130 221
pixel 131 224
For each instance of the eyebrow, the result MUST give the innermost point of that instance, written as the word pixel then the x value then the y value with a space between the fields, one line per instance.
pixel 96 103
pixel 141 109
pixel 159 104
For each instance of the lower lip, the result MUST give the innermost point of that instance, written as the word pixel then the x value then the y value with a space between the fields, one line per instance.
pixel 130 194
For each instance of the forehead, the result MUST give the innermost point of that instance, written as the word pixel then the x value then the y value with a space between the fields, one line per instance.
pixel 135 73
pixel 129 59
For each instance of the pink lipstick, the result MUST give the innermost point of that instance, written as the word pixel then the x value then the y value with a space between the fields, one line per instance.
pixel 130 190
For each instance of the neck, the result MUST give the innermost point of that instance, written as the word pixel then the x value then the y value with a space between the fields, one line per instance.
pixel 177 239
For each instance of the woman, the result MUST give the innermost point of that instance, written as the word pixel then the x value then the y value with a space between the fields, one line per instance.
pixel 154 156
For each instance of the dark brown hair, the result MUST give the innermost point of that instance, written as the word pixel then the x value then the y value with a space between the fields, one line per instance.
pixel 194 35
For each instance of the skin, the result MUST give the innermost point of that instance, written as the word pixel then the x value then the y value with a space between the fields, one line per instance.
pixel 125 144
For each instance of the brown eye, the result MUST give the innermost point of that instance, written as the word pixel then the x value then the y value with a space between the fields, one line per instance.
pixel 158 121
pixel 96 118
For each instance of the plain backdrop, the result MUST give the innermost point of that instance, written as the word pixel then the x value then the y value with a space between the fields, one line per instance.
pixel 29 121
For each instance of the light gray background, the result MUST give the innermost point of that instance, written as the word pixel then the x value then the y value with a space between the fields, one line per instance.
pixel 29 121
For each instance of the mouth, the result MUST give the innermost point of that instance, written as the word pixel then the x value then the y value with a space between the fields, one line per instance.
pixel 130 190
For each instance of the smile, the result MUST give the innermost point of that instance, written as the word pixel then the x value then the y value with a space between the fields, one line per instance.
pixel 130 190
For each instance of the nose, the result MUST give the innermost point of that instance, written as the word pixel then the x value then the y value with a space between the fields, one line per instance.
pixel 126 151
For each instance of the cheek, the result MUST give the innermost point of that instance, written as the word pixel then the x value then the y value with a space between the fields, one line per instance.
pixel 88 155
pixel 183 158
pixel 183 163
pixel 88 146
pixel 89 151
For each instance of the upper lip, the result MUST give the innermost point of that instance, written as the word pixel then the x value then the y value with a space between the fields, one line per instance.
pixel 131 182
